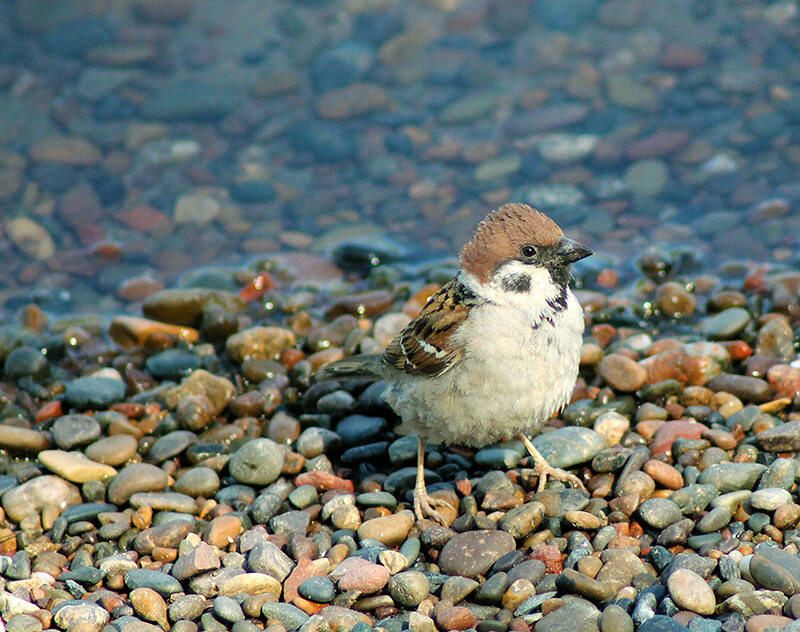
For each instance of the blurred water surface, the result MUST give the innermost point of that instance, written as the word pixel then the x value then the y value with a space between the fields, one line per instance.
pixel 141 140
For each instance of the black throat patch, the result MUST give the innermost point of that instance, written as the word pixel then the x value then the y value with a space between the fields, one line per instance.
pixel 519 283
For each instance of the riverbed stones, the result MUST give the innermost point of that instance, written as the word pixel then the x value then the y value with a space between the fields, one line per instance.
pixel 257 462
pixel 688 373
pixel 690 591
pixel 72 431
pixel 137 477
pixel 472 553
pixel 38 493
pixel 74 466
pixel 569 446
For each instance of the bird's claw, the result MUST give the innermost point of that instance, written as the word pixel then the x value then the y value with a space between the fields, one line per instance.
pixel 545 471
pixel 424 506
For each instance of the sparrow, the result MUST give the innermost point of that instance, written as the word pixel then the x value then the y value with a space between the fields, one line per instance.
pixel 494 353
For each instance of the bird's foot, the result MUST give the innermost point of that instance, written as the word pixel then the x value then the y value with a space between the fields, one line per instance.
pixel 548 471
pixel 425 506
pixel 543 469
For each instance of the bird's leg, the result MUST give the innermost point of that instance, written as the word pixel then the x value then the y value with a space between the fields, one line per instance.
pixel 424 505
pixel 543 469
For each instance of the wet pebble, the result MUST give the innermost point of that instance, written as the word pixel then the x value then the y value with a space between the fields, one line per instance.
pixel 472 553
pixel 259 461
pixel 94 392
pixel 317 589
pixel 72 431
pixel 137 477
pixel 569 446
pixel 692 592
pixel 660 512
pixel 409 588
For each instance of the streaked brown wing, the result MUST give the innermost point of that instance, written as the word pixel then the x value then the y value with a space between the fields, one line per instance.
pixel 423 347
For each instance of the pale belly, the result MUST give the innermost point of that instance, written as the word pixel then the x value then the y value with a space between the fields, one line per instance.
pixel 500 389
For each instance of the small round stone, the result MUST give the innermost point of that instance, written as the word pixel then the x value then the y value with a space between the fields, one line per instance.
pixel 138 477
pixel 769 499
pixel 660 512
pixel 472 553
pixel 197 481
pixel 149 605
pixel 71 431
pixel 94 392
pixel 317 589
pixel 227 609
pixel 409 588
pixel 114 450
pixel 690 591
pixel 257 462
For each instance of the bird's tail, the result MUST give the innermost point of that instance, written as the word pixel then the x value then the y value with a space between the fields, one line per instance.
pixel 356 367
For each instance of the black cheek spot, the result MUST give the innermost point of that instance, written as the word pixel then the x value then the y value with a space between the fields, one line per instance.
pixel 519 283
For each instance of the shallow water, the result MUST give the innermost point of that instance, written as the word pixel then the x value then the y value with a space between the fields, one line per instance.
pixel 142 140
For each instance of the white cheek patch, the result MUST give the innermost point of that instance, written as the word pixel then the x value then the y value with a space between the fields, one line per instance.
pixel 524 280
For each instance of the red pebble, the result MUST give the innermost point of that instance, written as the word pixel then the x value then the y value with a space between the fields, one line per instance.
pixel 455 618
pixel 607 278
pixel 551 557
pixel 48 411
pixel 259 286
pixel 785 379
pixel 324 481
pixel 144 218
pixel 668 432
pixel 291 356
pixel 738 349
pixel 603 334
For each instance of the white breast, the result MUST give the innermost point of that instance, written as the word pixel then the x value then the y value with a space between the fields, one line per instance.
pixel 519 366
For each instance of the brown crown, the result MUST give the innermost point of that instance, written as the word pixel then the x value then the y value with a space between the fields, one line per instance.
pixel 502 233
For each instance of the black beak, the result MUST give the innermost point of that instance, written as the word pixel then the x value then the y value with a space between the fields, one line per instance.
pixel 570 251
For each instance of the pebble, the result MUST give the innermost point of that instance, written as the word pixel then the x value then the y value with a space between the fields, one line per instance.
pixel 32 496
pixel 114 450
pixel 780 438
pixel 31 238
pixel 23 439
pixel 390 530
pixel 198 481
pixel 72 614
pixel 161 583
pixel 728 477
pixel 622 373
pixel 725 325
pixel 659 513
pixel 149 605
pixel 289 615
pixel 317 589
pixel 71 431
pixel 257 462
pixel 137 477
pixel 356 573
pixel 472 553
pixel 409 588
pixel 776 569
pixel 690 591
pixel 94 392
pixel 569 446
pixel 199 559
pixel 267 558
pixel 259 342
pixel 74 467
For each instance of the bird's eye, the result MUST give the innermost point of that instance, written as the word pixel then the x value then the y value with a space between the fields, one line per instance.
pixel 527 251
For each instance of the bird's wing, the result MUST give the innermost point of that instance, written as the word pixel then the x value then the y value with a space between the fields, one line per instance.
pixel 424 347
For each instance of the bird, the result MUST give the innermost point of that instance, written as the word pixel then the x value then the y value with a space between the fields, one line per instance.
pixel 494 353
